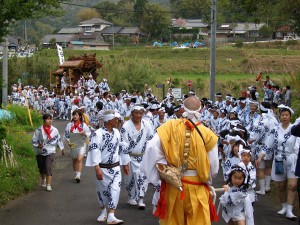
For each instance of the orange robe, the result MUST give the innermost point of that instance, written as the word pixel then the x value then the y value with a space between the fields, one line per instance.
pixel 194 209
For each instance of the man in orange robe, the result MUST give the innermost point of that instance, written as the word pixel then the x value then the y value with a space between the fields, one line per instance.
pixel 193 205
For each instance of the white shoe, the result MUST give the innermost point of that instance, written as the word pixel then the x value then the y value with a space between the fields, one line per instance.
pixel 77 178
pixel 113 220
pixel 141 204
pixel 260 192
pixel 49 187
pixel 103 216
pixel 132 202
pixel 290 216
pixel 154 209
pixel 43 183
pixel 282 211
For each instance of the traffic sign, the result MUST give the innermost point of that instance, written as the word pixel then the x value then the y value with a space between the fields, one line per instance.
pixel 176 93
pixel 189 83
pixel 160 85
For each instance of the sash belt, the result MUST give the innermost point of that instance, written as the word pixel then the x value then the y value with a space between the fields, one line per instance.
pixel 109 166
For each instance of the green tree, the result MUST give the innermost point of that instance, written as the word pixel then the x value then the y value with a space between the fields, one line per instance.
pixel 139 8
pixel 290 11
pixel 107 9
pixel 87 14
pixel 265 31
pixel 16 10
pixel 191 8
pixel 155 19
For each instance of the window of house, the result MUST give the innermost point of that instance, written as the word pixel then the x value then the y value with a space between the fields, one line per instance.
pixel 97 27
pixel 88 29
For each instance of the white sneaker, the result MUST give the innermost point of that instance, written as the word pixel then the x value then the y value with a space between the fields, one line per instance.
pixel 49 187
pixel 103 216
pixel 132 202
pixel 113 220
pixel 154 209
pixel 290 216
pixel 77 178
pixel 260 192
pixel 43 183
pixel 282 211
pixel 141 204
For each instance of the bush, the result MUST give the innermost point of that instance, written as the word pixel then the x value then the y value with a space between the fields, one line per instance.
pixel 239 44
pixel 22 178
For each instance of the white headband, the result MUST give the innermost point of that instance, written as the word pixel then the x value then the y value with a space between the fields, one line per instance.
pixel 285 107
pixel 262 108
pixel 108 117
pixel 137 107
pixel 154 106
pixel 243 150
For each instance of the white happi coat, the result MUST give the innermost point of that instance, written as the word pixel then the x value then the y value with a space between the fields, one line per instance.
pixel 259 134
pixel 285 147
pixel 84 128
pixel 40 136
pixel 134 143
pixel 236 205
pixel 104 148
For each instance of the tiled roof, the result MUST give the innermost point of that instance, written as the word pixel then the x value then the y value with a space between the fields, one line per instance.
pixel 95 21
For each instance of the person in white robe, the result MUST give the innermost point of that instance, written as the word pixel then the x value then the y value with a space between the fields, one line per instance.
pixel 285 147
pixel 77 143
pixel 135 134
pixel 44 141
pixel 105 156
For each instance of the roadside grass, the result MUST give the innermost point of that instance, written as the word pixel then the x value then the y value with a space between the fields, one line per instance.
pixel 23 178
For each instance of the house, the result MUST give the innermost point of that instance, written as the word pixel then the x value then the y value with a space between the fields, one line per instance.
pixel 109 33
pixel 70 30
pixel 245 29
pixel 94 25
pixel 90 37
pixel 75 45
pixel 96 46
pixel 134 33
pixel 282 31
pixel 223 31
pixel 190 24
pixel 61 39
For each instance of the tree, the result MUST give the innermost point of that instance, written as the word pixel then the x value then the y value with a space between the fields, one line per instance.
pixel 107 10
pixel 87 14
pixel 139 8
pixel 155 19
pixel 16 10
pixel 191 8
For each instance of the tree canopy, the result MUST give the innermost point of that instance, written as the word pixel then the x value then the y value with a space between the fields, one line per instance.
pixel 15 10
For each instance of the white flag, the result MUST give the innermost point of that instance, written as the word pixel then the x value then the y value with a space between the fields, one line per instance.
pixel 60 54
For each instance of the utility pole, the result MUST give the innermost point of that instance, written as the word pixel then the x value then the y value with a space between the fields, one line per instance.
pixel 213 32
pixel 4 71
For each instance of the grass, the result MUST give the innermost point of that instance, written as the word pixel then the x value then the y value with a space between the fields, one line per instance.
pixel 22 178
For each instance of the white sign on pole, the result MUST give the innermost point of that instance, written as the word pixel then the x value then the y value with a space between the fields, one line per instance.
pixel 176 93
pixel 60 54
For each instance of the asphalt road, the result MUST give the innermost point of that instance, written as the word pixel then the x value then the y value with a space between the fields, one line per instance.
pixel 75 204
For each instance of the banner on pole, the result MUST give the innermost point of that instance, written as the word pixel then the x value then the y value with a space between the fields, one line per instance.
pixel 60 54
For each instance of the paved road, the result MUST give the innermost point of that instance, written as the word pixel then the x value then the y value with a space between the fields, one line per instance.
pixel 75 204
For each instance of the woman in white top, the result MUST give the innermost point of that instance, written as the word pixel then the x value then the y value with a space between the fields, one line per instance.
pixel 77 142
pixel 285 147
pixel 44 141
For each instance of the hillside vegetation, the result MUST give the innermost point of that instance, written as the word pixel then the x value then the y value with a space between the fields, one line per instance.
pixel 133 67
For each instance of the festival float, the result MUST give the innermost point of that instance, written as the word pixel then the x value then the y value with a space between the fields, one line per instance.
pixel 74 72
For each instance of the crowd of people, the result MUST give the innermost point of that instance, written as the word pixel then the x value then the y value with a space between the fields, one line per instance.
pixel 252 141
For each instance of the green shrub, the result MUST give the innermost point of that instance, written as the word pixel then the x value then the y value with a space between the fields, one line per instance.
pixel 239 44
pixel 22 178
